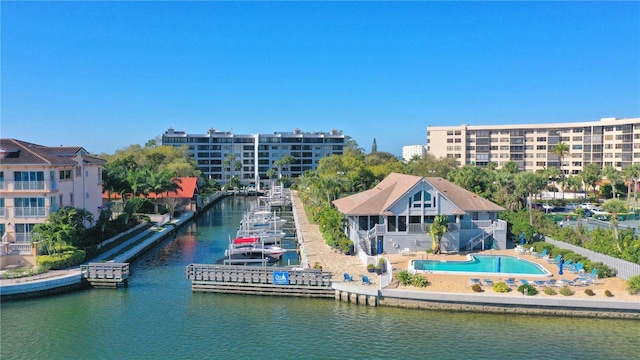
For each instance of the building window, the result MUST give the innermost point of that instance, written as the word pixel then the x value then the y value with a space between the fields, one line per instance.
pixel 65 174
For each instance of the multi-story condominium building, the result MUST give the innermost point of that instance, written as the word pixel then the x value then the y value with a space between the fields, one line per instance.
pixel 37 180
pixel 609 141
pixel 218 153
pixel 408 152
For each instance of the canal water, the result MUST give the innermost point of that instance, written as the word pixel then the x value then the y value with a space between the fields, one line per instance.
pixel 158 317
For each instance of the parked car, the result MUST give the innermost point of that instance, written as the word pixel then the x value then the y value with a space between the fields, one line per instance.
pixel 571 207
pixel 548 207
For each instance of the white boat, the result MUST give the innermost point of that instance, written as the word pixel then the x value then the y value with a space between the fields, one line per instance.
pixel 252 247
pixel 262 219
pixel 267 237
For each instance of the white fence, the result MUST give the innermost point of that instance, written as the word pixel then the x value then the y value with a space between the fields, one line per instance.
pixel 625 269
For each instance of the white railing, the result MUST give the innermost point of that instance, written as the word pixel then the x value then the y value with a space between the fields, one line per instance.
pixel 28 185
pixel 31 212
pixel 20 248
pixel 486 232
pixel 417 228
pixel 23 238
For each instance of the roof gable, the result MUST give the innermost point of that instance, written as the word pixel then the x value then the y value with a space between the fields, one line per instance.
pixel 378 200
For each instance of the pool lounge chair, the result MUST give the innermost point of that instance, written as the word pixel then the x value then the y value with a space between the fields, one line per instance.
pixel 348 278
pixel 556 260
pixel 591 278
pixel 475 281
pixel 553 282
pixel 540 283
pixel 565 282
pixel 577 268
pixel 510 281
pixel 524 282
pixel 542 254
pixel 366 280
pixel 567 264
pixel 488 282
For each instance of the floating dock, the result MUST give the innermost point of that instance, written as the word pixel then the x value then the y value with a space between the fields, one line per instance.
pixel 260 280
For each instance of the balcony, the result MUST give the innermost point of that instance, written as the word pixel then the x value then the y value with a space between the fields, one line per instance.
pixel 31 212
pixel 28 185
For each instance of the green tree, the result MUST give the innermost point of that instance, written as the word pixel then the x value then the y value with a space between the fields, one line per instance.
pixel 374 146
pixel 161 183
pixel 437 230
pixel 615 207
pixel 528 184
pixel 63 227
pixel 285 160
pixel 561 150
pixel 590 175
pixel 614 176
pixel 473 178
pixel 631 174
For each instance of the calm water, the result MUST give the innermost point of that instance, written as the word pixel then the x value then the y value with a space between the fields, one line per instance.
pixel 158 317
pixel 497 264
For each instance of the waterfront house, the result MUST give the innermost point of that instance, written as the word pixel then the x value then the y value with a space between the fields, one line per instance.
pixel 394 216
pixel 36 180
pixel 186 198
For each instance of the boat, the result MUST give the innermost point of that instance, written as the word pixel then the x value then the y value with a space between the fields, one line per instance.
pixel 252 247
pixel 262 219
pixel 241 259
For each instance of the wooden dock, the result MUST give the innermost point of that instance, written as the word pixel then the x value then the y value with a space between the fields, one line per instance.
pixel 260 280
pixel 107 274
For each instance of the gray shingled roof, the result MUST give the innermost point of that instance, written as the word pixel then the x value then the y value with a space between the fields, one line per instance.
pixel 378 200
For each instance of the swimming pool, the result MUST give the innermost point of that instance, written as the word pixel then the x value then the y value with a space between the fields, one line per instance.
pixel 480 264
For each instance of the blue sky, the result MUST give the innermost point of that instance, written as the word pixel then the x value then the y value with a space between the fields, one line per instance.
pixel 104 75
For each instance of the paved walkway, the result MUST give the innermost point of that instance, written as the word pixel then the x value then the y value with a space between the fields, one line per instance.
pixel 318 251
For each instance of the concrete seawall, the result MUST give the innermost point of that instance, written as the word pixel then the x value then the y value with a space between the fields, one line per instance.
pixel 59 281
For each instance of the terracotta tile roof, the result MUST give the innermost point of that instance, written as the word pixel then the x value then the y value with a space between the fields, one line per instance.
pixel 16 152
pixel 189 187
pixel 378 200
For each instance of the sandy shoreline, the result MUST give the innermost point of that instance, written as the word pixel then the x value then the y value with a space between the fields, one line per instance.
pixel 338 263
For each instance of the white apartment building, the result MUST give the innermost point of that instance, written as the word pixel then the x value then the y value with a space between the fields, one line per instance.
pixel 256 153
pixel 37 180
pixel 409 151
pixel 610 141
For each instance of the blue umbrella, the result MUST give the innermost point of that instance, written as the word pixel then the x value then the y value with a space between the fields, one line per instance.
pixel 560 264
pixel 522 239
pixel 499 264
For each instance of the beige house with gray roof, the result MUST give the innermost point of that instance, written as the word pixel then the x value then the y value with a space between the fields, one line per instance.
pixel 394 216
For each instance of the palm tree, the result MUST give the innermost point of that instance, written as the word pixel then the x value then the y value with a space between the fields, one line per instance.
pixel 590 175
pixel 527 184
pixel 631 174
pixel 615 207
pixel 162 182
pixel 561 150
pixel 437 230
pixel 613 175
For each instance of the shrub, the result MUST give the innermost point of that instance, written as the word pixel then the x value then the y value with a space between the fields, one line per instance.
pixel 589 292
pixel 501 287
pixel 142 205
pixel 527 290
pixel 550 291
pixel 476 288
pixel 61 261
pixel 603 270
pixel 633 284
pixel 566 291
pixel 608 293
pixel 403 276
pixel 419 281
